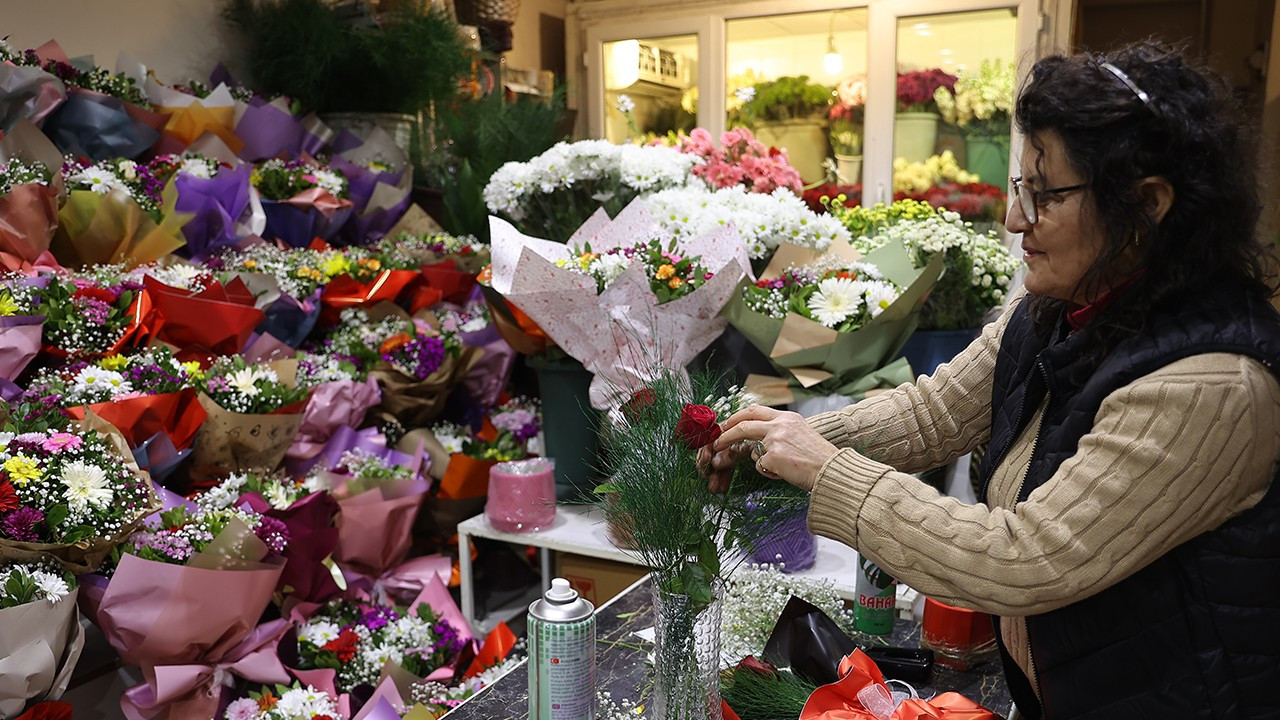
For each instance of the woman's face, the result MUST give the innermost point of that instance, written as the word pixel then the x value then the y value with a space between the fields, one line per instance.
pixel 1066 240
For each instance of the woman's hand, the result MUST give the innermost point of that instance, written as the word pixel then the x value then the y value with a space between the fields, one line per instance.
pixel 782 444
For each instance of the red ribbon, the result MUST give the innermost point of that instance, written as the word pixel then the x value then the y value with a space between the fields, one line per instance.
pixel 839 700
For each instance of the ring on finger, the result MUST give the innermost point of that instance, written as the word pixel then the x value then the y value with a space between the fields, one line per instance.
pixel 757 450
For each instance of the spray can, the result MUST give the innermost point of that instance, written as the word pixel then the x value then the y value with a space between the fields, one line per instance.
pixel 562 655
pixel 877 594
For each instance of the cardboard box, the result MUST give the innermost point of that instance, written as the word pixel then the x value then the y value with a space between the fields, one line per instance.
pixel 597 580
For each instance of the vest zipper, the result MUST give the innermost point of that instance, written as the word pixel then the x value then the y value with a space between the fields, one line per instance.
pixel 1017 498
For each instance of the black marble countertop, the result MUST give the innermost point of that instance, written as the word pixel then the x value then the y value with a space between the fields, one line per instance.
pixel 621 669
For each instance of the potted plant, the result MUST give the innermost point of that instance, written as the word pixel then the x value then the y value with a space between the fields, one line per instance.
pixel 357 71
pixel 846 128
pixel 788 113
pixel 915 127
pixel 981 106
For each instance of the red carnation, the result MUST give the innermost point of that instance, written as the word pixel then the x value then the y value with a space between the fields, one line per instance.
pixel 697 426
pixel 94 293
pixel 8 496
pixel 344 646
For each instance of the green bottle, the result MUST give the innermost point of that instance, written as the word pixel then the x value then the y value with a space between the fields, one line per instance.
pixel 877 595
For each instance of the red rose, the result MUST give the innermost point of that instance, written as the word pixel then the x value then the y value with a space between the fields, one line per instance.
pixel 760 667
pixel 94 293
pixel 344 646
pixel 697 426
pixel 8 496
pixel 640 401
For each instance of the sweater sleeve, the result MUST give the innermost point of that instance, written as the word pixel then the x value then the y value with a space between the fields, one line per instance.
pixel 1170 456
pixel 928 423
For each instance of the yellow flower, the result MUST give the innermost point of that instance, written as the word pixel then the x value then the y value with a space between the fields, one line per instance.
pixel 665 271
pixel 584 260
pixel 22 470
pixel 562 263
pixel 674 283
pixel 113 362
pixel 335 265
pixel 193 369
pixel 250 264
pixel 7 305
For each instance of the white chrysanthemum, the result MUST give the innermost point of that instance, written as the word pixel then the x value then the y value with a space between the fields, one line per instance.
pixel 5 439
pixel 609 267
pixel 198 167
pixel 880 295
pixel 835 300
pixel 99 180
pixel 278 497
pixel 331 181
pixel 245 380
pixel 223 495
pixel 94 381
pixel 319 632
pixel 625 104
pixel 128 169
pixel 53 586
pixel 86 485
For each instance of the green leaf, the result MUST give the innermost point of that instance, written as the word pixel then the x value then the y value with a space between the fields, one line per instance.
pixel 56 516
pixel 607 488
pixel 78 533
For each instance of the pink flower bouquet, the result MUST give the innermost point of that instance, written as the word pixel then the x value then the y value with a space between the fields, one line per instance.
pixel 740 159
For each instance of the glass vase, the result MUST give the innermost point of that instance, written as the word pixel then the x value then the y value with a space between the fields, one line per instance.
pixel 686 656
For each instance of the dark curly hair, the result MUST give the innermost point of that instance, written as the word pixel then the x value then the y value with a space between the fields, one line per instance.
pixel 1191 132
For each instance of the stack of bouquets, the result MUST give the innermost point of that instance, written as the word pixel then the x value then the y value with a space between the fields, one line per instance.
pixel 187 307
pixel 89 314
pixel 143 395
pixel 117 211
pixel 40 633
pixel 353 644
pixel 20 326
pixel 308 517
pixel 380 492
pixel 553 194
pixel 287 283
pixel 254 413
pixel 67 493
pixel 183 602
pixel 303 199
pixel 105 114
pixel 29 187
pixel 623 295
pixel 832 324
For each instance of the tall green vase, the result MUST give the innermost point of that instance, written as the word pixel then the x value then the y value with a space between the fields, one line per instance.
pixel 915 135
pixel 570 426
pixel 987 156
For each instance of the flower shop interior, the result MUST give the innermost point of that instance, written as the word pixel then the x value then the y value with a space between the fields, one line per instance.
pixel 335 330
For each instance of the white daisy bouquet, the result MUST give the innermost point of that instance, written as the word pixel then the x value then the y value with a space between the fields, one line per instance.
pixel 303 199
pixel 117 211
pixel 284 703
pixel 553 194
pixel 763 221
pixel 40 634
pixel 254 413
pixel 68 494
pixel 977 267
pixel 620 313
pixel 357 639
pixel 831 324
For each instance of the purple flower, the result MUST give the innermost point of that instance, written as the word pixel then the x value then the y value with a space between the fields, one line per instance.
pixel 376 617
pixel 274 533
pixel 419 357
pixel 21 523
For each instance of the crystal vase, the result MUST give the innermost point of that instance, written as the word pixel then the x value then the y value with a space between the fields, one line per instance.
pixel 686 656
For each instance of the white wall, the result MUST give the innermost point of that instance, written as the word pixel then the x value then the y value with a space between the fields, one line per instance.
pixel 178 39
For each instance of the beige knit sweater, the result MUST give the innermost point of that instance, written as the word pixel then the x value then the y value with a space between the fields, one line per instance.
pixel 1170 456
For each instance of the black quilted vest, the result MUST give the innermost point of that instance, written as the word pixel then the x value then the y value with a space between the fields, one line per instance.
pixel 1196 634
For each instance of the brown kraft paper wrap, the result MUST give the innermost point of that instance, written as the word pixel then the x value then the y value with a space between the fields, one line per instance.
pixel 40 643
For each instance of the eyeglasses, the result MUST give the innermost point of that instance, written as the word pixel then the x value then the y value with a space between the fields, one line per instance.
pixel 1031 200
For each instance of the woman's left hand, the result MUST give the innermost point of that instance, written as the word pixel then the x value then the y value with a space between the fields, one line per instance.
pixel 786 447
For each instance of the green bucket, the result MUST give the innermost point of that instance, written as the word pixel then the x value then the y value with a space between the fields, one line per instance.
pixel 570 426
pixel 987 156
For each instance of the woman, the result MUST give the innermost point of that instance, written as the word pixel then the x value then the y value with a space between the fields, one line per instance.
pixel 1130 536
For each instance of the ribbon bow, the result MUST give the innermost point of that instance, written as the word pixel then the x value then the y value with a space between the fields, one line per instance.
pixel 190 691
pixel 861 680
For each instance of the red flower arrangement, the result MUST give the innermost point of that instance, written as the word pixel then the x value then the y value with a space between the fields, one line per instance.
pixel 697 426
pixel 916 89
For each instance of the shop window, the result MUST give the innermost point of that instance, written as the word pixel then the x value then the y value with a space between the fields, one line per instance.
pixel 650 87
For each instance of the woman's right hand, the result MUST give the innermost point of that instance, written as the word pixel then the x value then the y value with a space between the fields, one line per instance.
pixel 717 465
